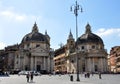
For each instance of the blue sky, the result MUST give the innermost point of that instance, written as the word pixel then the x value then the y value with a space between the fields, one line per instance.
pixel 17 18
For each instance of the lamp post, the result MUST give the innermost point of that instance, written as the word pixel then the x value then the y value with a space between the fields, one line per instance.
pixel 75 9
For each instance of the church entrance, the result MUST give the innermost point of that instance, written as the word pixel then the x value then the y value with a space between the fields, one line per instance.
pixel 38 67
pixel 96 68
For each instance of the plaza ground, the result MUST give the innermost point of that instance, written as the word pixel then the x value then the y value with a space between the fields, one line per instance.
pixel 62 79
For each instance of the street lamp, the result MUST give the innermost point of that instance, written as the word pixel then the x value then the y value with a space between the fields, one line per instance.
pixel 75 9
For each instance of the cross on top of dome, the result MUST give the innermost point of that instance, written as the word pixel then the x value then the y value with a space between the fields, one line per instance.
pixel 35 28
pixel 88 29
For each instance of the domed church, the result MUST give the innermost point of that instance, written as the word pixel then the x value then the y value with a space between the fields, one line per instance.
pixel 92 57
pixel 34 52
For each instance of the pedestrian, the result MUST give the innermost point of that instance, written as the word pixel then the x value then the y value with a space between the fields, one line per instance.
pixel 92 73
pixel 88 75
pixel 100 75
pixel 85 74
pixel 27 76
pixel 31 76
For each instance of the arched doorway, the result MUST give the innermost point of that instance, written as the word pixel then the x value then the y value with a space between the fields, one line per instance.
pixel 38 67
pixel 96 68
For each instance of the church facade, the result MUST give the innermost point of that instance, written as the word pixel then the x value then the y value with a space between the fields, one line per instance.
pixel 88 50
pixel 33 53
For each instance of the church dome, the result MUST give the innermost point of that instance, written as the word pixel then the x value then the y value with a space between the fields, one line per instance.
pixel 89 37
pixel 35 36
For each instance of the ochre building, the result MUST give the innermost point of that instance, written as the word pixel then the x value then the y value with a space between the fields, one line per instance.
pixel 114 59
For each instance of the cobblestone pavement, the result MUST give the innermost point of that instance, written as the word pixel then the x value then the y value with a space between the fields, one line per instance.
pixel 63 79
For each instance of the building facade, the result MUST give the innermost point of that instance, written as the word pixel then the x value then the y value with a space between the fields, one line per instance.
pixel 33 53
pixel 7 57
pixel 89 48
pixel 114 59
pixel 60 60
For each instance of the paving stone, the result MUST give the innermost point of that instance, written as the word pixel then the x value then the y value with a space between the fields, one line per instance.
pixel 62 79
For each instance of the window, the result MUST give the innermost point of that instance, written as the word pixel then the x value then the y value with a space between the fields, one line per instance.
pixel 101 47
pixel 93 47
pixel 82 47
pixel 96 68
pixel 72 61
pixel 37 45
pixel 28 45
pixel 17 56
pixel 71 42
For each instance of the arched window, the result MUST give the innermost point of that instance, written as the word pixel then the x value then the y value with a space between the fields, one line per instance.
pixel 37 45
pixel 93 46
pixel 82 47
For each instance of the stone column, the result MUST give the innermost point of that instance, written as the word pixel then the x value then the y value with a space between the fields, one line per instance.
pixel 48 64
pixel 35 63
pixel 44 63
pixel 19 63
pixel 24 63
pixel 31 65
pixel 105 65
pixel 101 64
pixel 86 69
pixel 89 64
pixel 93 66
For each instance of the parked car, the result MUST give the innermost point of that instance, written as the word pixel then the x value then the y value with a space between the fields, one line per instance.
pixel 43 72
pixel 36 73
pixel 23 73
pixel 28 72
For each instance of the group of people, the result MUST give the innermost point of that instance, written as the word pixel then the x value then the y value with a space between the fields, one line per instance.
pixel 87 75
pixel 29 76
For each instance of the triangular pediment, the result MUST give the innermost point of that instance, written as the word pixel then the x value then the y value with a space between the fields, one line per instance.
pixel 39 52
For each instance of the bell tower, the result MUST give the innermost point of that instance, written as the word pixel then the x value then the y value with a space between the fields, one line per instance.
pixel 71 43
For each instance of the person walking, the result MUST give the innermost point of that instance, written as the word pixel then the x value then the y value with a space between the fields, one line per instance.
pixel 100 75
pixel 85 74
pixel 31 76
pixel 27 76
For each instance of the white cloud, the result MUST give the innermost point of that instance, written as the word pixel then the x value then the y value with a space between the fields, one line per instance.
pixel 107 32
pixel 2 45
pixel 12 15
